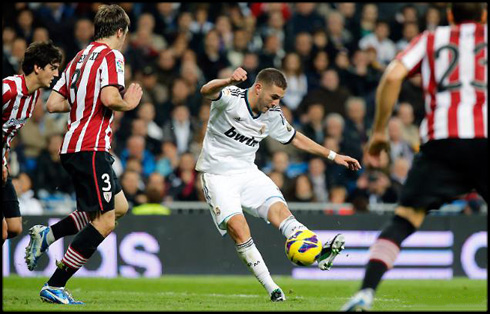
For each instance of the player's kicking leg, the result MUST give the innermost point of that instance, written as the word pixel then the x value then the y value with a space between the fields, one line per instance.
pixel 240 233
pixel 280 216
pixel 41 237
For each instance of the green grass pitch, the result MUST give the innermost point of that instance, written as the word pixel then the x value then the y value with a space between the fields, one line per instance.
pixel 243 293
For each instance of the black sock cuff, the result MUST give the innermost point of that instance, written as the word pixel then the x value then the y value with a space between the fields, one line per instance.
pixel 398 230
pixel 88 238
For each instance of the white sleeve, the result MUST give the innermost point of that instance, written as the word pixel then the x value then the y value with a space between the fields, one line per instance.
pixel 413 54
pixel 226 96
pixel 112 70
pixel 279 128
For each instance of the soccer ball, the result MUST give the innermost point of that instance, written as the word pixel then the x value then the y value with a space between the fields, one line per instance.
pixel 303 248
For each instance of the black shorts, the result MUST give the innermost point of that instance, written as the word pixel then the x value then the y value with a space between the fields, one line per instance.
pixel 10 203
pixel 445 169
pixel 95 182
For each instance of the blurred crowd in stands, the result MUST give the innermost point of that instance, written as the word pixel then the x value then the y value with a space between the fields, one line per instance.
pixel 333 55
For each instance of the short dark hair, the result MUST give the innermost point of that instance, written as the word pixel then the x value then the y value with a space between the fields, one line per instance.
pixel 467 11
pixel 108 20
pixel 40 53
pixel 271 76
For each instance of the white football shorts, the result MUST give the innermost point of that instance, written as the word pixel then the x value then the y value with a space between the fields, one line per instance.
pixel 228 195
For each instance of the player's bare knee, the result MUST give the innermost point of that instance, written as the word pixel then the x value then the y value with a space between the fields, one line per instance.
pixel 122 205
pixel 4 230
pixel 14 226
pixel 414 216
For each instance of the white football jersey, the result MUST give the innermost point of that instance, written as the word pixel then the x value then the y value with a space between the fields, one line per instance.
pixel 233 133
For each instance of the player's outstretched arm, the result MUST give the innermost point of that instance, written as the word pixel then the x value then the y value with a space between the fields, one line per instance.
pixel 304 143
pixel 112 99
pixel 386 97
pixel 57 103
pixel 211 89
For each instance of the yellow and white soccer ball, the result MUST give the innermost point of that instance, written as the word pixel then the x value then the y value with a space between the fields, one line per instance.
pixel 303 248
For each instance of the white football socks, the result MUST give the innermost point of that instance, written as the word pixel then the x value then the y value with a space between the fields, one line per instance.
pixel 251 256
pixel 290 225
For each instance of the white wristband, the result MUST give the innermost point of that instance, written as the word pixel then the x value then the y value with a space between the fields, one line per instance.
pixel 332 155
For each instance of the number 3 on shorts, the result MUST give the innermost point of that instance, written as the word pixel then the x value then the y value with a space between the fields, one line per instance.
pixel 106 178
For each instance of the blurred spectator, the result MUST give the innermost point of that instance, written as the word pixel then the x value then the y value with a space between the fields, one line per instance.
pixel 280 163
pixel 330 94
pixel 140 128
pixel 373 187
pixel 132 185
pixel 369 16
pixel 319 64
pixel 40 34
pixel 385 48
pixel 339 37
pixel 165 18
pixel 313 126
pixel 180 93
pixel 303 46
pixel 302 190
pixel 351 19
pixel 296 78
pixel 380 189
pixel 200 25
pixel 409 130
pixel 432 18
pixel 212 60
pixel 182 182
pixel 316 173
pixel 168 160
pixel 166 67
pixel 184 22
pixel 251 65
pixel 363 77
pixel 412 93
pixel 239 47
pixel 13 58
pixel 154 133
pixel 410 31
pixel 34 135
pixel 272 53
pixel 50 177
pixel 338 196
pixel 279 179
pixel 153 91
pixel 194 78
pixel 304 19
pixel 154 194
pixel 28 204
pixel 135 148
pixel 408 14
pixel 225 33
pixel 398 174
pixel 83 33
pixel 399 147
pixel 275 26
pixel 58 18
pixel 180 129
pixel 25 25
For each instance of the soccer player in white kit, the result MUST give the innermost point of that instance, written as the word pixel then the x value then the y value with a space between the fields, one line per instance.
pixel 239 120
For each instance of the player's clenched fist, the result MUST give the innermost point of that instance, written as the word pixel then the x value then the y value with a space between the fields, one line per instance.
pixel 238 76
pixel 133 94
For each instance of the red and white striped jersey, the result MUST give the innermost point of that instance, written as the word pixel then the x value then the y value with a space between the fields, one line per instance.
pixel 16 109
pixel 453 63
pixel 89 124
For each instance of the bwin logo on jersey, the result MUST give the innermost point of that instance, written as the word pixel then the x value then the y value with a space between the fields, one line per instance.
pixel 233 134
